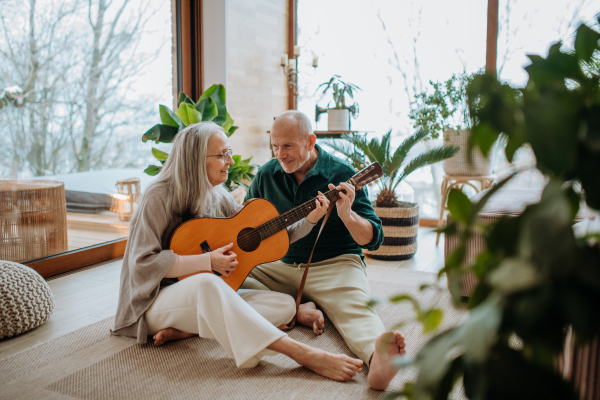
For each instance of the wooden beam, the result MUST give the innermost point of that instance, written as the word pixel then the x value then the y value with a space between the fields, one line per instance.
pixel 290 48
pixel 491 48
pixel 186 47
pixel 65 262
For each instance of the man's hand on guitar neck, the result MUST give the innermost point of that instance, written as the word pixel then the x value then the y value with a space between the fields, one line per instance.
pixel 223 260
pixel 322 205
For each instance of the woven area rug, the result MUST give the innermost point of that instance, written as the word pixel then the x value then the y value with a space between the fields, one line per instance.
pixel 90 364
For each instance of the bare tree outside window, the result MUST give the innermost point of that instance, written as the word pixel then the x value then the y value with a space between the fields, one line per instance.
pixel 69 84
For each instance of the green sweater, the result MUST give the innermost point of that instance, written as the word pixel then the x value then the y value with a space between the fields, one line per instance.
pixel 282 189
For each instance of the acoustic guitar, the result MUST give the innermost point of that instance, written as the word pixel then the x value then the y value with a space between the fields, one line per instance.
pixel 258 231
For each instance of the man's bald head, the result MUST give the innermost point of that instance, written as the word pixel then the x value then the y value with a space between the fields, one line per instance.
pixel 293 122
pixel 293 140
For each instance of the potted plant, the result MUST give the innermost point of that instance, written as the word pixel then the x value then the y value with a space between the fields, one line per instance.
pixel 533 327
pixel 339 115
pixel 446 110
pixel 209 107
pixel 400 219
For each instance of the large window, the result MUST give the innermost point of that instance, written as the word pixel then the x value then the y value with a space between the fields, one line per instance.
pixel 391 50
pixel 80 81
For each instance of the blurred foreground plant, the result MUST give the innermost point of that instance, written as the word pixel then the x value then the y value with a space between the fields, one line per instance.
pixel 536 277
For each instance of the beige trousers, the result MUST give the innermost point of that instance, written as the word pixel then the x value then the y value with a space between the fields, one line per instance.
pixel 244 323
pixel 338 286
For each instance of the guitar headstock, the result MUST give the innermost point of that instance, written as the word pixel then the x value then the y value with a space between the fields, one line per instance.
pixel 366 175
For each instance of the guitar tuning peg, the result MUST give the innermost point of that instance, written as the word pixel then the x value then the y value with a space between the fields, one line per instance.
pixel 362 165
pixel 355 169
pixel 371 184
pixel 367 162
pixel 376 180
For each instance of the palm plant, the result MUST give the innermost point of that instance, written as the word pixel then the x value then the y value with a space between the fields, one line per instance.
pixel 395 165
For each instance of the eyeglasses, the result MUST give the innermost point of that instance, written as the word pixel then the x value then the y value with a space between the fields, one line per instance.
pixel 223 156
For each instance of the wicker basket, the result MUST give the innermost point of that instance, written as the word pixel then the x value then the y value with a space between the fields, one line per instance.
pixel 400 227
pixel 33 219
pixel 459 164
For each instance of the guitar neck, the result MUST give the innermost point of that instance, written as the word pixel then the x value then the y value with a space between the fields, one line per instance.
pixel 294 215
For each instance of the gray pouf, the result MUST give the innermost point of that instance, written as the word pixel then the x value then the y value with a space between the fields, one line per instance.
pixel 26 300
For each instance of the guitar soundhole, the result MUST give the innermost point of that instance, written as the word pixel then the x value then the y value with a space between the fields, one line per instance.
pixel 248 239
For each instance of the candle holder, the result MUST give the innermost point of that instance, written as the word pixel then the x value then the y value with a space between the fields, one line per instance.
pixel 290 68
pixel 128 196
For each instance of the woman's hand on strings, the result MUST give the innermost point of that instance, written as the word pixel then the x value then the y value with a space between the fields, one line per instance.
pixel 322 204
pixel 223 260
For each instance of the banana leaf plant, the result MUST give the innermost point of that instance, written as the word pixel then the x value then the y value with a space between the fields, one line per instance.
pixel 211 106
pixel 394 164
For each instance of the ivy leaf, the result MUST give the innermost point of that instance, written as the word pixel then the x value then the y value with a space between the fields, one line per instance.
pixel 586 42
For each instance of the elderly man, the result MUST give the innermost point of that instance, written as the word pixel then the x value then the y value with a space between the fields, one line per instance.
pixel 337 280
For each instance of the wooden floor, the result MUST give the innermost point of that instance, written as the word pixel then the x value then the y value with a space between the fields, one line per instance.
pixel 85 230
pixel 91 294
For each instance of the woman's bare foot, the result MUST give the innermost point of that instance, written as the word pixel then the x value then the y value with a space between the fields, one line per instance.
pixel 169 334
pixel 308 315
pixel 338 367
pixel 381 370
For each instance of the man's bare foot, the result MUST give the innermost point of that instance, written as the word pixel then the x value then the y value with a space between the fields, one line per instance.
pixel 169 334
pixel 381 370
pixel 338 367
pixel 308 315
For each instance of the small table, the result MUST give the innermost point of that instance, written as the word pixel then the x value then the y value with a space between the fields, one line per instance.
pixel 33 219
pixel 459 182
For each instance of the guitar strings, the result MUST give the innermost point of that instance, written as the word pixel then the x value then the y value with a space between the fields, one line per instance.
pixel 278 223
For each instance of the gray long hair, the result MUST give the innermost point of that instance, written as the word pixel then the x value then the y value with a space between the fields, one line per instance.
pixel 185 178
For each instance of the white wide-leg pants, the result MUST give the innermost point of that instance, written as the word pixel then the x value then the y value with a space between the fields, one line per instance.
pixel 244 323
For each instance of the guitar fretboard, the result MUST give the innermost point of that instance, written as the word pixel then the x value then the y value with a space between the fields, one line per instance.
pixel 292 216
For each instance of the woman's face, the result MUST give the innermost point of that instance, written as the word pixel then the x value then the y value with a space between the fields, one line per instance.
pixel 217 166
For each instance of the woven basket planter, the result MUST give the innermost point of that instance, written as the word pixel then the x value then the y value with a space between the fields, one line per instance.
pixel 400 227
pixel 459 164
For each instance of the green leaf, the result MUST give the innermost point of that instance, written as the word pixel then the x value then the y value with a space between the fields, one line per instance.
pixel 228 123
pixel 586 42
pixel 426 158
pixel 188 114
pixel 460 206
pixel 159 155
pixel 162 133
pixel 168 117
pixel 231 130
pixel 183 98
pixel 152 170
pixel 207 108
pixel 431 320
pixel 217 93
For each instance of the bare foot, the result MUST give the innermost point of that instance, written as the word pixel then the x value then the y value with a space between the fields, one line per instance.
pixel 308 315
pixel 381 370
pixel 338 367
pixel 169 334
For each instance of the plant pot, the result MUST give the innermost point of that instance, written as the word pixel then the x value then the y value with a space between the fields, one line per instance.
pixel 338 119
pixel 400 227
pixel 460 164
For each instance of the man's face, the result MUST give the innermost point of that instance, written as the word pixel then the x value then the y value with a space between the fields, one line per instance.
pixel 291 149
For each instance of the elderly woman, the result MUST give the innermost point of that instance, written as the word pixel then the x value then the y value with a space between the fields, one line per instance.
pixel 153 302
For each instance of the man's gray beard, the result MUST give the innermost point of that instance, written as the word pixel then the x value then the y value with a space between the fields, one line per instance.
pixel 300 166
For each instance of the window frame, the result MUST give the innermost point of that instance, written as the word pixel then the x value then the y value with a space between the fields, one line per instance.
pixel 187 77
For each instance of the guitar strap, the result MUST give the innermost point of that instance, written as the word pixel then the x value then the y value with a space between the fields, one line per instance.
pixel 301 288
